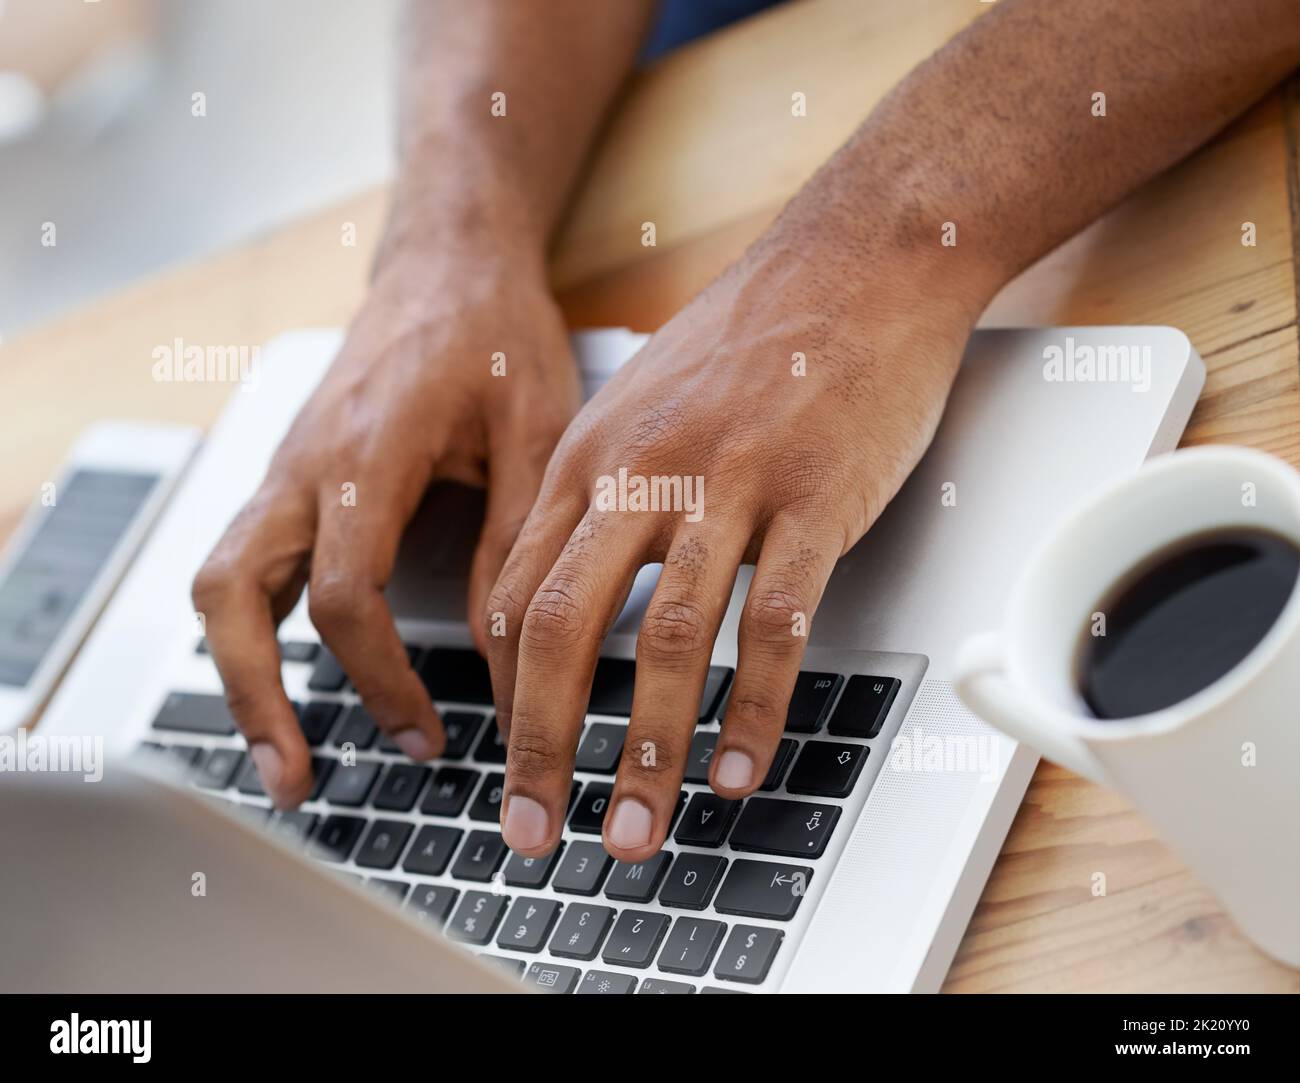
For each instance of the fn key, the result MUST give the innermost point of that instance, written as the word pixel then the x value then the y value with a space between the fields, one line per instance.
pixel 863 708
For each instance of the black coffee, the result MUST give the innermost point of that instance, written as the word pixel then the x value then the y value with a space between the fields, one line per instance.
pixel 1180 620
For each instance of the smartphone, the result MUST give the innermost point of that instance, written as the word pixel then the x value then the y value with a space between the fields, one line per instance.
pixel 71 550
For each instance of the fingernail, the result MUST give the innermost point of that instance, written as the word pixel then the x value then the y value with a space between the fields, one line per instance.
pixel 269 766
pixel 735 770
pixel 414 743
pixel 629 828
pixel 525 826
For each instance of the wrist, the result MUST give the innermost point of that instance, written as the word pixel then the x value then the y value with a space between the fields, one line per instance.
pixel 886 246
pixel 432 225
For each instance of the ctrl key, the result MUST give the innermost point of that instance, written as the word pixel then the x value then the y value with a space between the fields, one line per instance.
pixel 553 977
pixel 748 953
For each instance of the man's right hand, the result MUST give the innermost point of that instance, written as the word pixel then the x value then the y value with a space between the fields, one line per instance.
pixel 414 395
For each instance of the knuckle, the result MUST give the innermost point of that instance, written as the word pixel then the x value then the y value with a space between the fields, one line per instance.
pixel 334 599
pixel 755 711
pixel 770 616
pixel 673 630
pixel 533 756
pixel 652 750
pixel 504 599
pixel 213 582
pixel 554 618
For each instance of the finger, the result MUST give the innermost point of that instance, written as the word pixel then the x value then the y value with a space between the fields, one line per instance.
pixel 548 527
pixel 355 552
pixel 242 590
pixel 673 650
pixel 792 571
pixel 558 643
pixel 514 478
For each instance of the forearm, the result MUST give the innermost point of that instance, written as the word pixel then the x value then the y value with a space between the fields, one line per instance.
pixel 997 134
pixel 471 175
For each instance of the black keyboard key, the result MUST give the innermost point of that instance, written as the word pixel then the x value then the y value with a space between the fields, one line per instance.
pixel 294 827
pixel 601 747
pixel 480 857
pixel 201 647
pixel 336 837
pixel 531 872
pixel 317 719
pixel 350 785
pixel 581 931
pixel 607 983
pixel 449 791
pixel 432 902
pixel 691 945
pixel 700 756
pixel 582 868
pixel 395 889
pixel 827 769
pixel 761 889
pixel 491 749
pixel 514 967
pixel 706 820
pixel 383 844
pixel 194 712
pixel 748 954
pixel 358 728
pixel 456 675
pixel 715 690
pixel 635 938
pixel 477 917
pixel 328 676
pixel 218 769
pixel 863 708
pixel 320 773
pixel 249 781
pixel 637 882
pixel 487 804
pixel 553 977
pixel 615 678
pixel 432 850
pixel 298 650
pixel 400 786
pixel 528 924
pixel 770 825
pixel 780 764
pixel 811 702
pixel 255 813
pixel 461 728
pixel 611 687
pixel 663 987
pixel 589 816
pixel 692 880
pixel 186 755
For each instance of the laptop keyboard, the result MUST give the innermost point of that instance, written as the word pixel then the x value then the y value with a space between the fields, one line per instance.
pixel 709 913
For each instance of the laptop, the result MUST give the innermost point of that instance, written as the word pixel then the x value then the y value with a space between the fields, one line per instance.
pixel 855 868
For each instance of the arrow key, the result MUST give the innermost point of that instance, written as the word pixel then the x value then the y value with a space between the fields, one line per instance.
pixel 769 825
pixel 827 768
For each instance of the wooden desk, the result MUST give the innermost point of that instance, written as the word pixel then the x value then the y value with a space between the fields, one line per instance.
pixel 704 145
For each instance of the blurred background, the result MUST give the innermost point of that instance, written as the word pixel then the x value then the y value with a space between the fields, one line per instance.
pixel 98 132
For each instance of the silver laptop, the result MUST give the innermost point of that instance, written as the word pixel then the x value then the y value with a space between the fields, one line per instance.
pixel 855 868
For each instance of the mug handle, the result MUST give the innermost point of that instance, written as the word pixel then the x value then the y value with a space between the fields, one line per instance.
pixel 982 684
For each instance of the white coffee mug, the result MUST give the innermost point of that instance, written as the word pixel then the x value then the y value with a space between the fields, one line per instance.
pixel 1217 774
